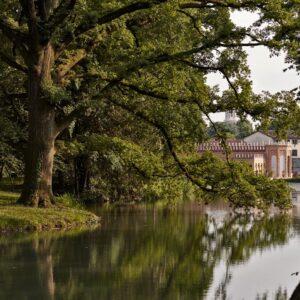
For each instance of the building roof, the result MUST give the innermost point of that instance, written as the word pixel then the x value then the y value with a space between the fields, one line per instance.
pixel 272 134
pixel 258 131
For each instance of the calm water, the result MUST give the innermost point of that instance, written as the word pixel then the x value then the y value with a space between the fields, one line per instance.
pixel 151 254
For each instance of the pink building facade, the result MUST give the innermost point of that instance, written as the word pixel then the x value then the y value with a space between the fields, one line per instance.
pixel 273 160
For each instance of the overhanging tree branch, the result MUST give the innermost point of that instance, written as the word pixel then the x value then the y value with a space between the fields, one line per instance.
pixel 236 93
pixel 64 68
pixel 222 70
pixel 200 4
pixel 165 135
pixel 90 23
pixel 200 67
pixel 151 61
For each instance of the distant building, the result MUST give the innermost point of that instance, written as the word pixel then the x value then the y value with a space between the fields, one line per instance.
pixel 269 138
pixel 271 159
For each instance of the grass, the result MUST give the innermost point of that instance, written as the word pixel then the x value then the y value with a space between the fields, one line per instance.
pixel 16 218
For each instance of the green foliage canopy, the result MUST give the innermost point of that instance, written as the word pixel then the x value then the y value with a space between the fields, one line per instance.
pixel 146 62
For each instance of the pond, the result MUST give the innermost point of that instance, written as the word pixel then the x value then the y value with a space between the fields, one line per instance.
pixel 146 253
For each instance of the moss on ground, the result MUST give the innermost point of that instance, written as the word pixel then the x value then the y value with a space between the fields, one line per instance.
pixel 14 218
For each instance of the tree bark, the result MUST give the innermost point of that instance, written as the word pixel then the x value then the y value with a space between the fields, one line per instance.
pixel 37 187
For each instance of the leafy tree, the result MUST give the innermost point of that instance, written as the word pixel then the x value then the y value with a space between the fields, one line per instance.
pixel 148 59
pixel 13 123
pixel 237 130
pixel 245 128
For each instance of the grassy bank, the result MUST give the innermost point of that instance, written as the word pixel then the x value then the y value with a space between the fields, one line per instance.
pixel 14 218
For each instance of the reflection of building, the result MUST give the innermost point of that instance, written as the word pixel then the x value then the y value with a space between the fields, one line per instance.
pixel 295 192
pixel 273 160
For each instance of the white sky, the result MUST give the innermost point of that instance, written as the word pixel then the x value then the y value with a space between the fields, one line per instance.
pixel 266 72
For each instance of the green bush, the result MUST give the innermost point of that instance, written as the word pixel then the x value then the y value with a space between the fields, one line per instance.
pixel 69 200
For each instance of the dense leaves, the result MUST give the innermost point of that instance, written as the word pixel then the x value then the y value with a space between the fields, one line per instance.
pixel 123 86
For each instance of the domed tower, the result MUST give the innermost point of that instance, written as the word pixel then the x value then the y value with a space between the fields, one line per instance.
pixel 231 117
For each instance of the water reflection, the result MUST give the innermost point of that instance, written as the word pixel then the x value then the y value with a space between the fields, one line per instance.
pixel 151 254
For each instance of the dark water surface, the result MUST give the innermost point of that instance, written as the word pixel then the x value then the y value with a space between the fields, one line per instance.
pixel 152 254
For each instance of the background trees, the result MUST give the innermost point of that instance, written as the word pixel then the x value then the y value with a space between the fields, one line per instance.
pixel 239 130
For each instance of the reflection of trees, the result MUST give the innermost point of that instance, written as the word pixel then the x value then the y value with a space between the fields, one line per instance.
pixel 43 250
pixel 181 256
pixel 27 270
pixel 281 294
pixel 148 256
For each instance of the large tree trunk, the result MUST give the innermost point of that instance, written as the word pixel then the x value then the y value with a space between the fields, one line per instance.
pixel 37 188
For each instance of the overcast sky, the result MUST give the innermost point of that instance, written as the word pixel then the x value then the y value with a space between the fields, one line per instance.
pixel 266 72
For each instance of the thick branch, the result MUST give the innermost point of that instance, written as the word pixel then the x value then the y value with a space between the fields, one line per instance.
pixel 12 63
pixel 200 4
pixel 236 94
pixel 68 119
pixel 179 55
pixel 200 67
pixel 227 150
pixel 11 32
pixel 59 15
pixel 193 20
pixel 90 23
pixel 144 92
pixel 17 95
pixel 166 137
pixel 64 68
pixel 17 37
pixel 153 94
pixel 231 85
pixel 151 61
